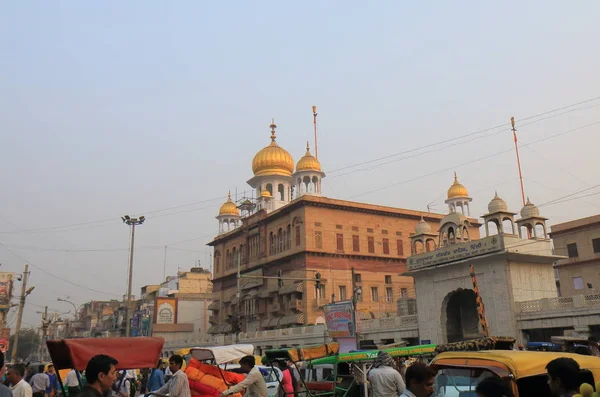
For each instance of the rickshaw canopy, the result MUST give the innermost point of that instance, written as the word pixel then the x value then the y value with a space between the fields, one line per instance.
pixel 370 355
pixel 303 353
pixel 131 353
pixel 222 354
pixel 486 343
pixel 520 364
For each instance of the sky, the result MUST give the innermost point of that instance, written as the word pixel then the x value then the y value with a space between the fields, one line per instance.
pixel 157 109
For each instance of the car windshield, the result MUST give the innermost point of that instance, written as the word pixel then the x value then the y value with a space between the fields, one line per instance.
pixel 459 382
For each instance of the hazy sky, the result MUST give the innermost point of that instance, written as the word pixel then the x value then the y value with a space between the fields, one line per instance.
pixel 113 108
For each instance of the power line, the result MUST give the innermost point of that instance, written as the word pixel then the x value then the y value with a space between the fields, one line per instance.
pixel 55 276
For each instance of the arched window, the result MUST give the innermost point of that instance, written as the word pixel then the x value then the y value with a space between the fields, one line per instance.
pixel 288 241
pixel 271 244
pixel 227 260
pixel 236 258
pixel 217 262
pixel 242 253
pixel 281 191
pixel 280 240
pixel 270 188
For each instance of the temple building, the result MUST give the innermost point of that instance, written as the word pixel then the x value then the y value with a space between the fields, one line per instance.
pixel 513 263
pixel 288 234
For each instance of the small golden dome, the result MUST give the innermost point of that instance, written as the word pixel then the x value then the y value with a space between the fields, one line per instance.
pixel 265 194
pixel 457 190
pixel 272 159
pixel 308 162
pixel 229 207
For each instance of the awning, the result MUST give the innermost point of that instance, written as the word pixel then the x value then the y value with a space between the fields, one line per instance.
pixel 292 319
pixel 215 305
pixel 273 322
pixel 265 294
pixel 291 288
pixel 212 330
pixel 264 323
pixel 364 315
pixel 253 293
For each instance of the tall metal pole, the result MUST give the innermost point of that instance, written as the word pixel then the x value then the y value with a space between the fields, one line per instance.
pixel 237 307
pixel 314 108
pixel 129 287
pixel 514 130
pixel 15 348
pixel 354 305
pixel 133 222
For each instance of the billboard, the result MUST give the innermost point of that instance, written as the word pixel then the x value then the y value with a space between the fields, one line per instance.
pixel 5 289
pixel 340 319
pixel 165 311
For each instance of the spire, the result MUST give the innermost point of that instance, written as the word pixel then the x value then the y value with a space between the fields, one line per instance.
pixel 455 177
pixel 272 127
pixel 229 196
pixel 307 146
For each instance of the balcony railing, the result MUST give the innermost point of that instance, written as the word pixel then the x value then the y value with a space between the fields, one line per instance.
pixel 560 303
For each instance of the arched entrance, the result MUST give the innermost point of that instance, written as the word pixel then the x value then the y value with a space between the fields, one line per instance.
pixel 460 317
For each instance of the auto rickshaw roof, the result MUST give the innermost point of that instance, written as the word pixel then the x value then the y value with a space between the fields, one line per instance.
pixel 370 355
pixel 131 353
pixel 222 354
pixel 303 353
pixel 520 364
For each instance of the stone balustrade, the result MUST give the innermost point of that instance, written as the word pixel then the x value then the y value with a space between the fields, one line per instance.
pixel 559 304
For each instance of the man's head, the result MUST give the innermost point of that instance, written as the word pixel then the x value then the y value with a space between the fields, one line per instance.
pixel 160 364
pixel 493 387
pixel 420 380
pixel 383 360
pixel 247 363
pixel 15 373
pixel 101 372
pixel 175 363
pixel 50 369
pixel 563 375
pixel 41 368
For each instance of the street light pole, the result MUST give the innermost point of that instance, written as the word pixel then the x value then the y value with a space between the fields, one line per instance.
pixel 133 222
pixel 356 291
pixel 24 293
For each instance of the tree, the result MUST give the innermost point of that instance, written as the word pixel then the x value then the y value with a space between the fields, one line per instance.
pixel 29 342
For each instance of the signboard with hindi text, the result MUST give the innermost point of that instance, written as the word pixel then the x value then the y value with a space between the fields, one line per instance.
pixel 455 252
pixel 165 311
pixel 5 289
pixel 340 319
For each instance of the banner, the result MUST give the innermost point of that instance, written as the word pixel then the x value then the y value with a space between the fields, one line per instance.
pixel 340 319
pixel 3 345
pixel 455 252
pixel 5 289
pixel 165 311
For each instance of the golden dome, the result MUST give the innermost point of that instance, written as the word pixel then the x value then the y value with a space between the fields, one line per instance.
pixel 229 207
pixel 273 160
pixel 457 190
pixel 265 194
pixel 308 162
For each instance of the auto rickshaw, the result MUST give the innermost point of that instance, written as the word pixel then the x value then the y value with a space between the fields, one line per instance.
pixel 131 353
pixel 459 372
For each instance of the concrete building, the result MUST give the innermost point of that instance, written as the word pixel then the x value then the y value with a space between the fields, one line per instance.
pixel 511 266
pixel 291 230
pixel 181 313
pixel 579 242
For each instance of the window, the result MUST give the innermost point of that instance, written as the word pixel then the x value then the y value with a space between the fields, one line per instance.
pixel 340 241
pixel 371 244
pixel 404 292
pixel 578 282
pixel 355 228
pixel 340 227
pixel 319 240
pixel 389 294
pixel 320 292
pixel 388 279
pixel 288 240
pixel 318 224
pixel 342 292
pixel 297 235
pixel 217 262
pixel 355 243
pixel 399 234
pixel 369 230
pixel 386 246
pixel 271 244
pixel 596 245
pixel 374 295
pixel 572 250
pixel 383 231
pixel 280 239
pixel 357 278
pixel 400 247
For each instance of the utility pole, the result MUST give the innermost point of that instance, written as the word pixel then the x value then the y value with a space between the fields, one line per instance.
pixel 356 291
pixel 236 320
pixel 24 293
pixel 133 222
pixel 44 332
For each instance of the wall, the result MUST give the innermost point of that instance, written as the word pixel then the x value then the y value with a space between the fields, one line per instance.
pixel 532 281
pixel 194 312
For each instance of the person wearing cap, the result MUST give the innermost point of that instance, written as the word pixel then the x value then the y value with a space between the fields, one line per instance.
pixel 384 379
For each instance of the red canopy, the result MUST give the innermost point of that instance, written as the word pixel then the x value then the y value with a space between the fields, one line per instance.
pixel 132 353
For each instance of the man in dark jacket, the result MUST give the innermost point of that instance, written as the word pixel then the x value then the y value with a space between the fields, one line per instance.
pixel 100 373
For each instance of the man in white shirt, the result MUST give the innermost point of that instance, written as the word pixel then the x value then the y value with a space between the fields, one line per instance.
pixel 178 385
pixel 18 386
pixel 420 381
pixel 254 384
pixel 72 383
pixel 385 380
pixel 40 382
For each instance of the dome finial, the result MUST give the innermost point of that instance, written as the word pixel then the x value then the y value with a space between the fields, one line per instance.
pixel 229 195
pixel 307 146
pixel 455 177
pixel 272 127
